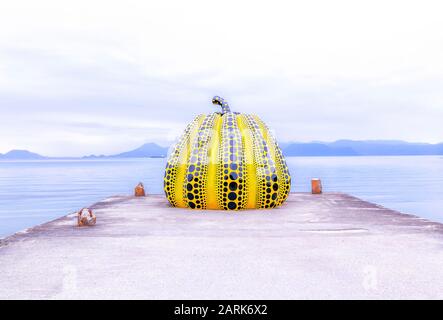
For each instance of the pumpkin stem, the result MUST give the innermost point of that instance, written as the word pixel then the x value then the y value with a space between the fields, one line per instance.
pixel 221 102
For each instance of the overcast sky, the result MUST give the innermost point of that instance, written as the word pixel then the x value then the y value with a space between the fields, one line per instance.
pixel 103 77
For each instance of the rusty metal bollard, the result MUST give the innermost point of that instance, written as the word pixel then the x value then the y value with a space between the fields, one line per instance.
pixel 85 217
pixel 140 190
pixel 316 186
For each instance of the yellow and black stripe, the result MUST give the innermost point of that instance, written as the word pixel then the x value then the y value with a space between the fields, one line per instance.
pixel 227 161
pixel 177 163
pixel 266 173
pixel 194 187
pixel 283 175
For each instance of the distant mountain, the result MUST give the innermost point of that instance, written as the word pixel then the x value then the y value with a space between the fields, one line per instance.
pixel 317 148
pixel 21 155
pixel 147 150
pixel 93 156
pixel 362 148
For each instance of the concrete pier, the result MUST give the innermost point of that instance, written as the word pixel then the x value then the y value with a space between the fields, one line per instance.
pixel 329 246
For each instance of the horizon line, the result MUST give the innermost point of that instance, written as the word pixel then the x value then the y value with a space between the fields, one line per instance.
pixel 173 143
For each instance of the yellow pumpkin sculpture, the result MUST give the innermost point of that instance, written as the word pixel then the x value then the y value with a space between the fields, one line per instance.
pixel 226 161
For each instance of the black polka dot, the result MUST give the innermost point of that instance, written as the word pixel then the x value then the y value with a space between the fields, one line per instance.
pixel 232 205
pixel 233 186
pixel 232 196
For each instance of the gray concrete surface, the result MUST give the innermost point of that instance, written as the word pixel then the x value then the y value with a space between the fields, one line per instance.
pixel 330 246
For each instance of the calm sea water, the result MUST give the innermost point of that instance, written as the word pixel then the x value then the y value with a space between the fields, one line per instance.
pixel 32 192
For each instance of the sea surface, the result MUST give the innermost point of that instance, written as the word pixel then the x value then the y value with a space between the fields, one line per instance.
pixel 33 192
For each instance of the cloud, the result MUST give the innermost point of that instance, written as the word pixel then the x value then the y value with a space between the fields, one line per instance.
pixel 103 76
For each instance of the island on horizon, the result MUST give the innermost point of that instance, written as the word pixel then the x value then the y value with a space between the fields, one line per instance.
pixel 307 149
